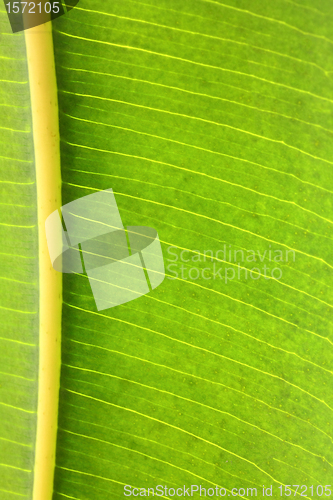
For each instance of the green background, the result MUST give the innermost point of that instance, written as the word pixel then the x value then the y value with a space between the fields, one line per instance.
pixel 212 123
pixel 18 270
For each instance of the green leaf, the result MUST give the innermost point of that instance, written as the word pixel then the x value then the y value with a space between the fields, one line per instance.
pixel 212 123
pixel 19 272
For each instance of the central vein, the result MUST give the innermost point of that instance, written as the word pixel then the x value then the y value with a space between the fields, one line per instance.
pixel 44 106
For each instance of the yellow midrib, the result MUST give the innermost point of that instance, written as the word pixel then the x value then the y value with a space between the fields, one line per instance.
pixel 44 106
